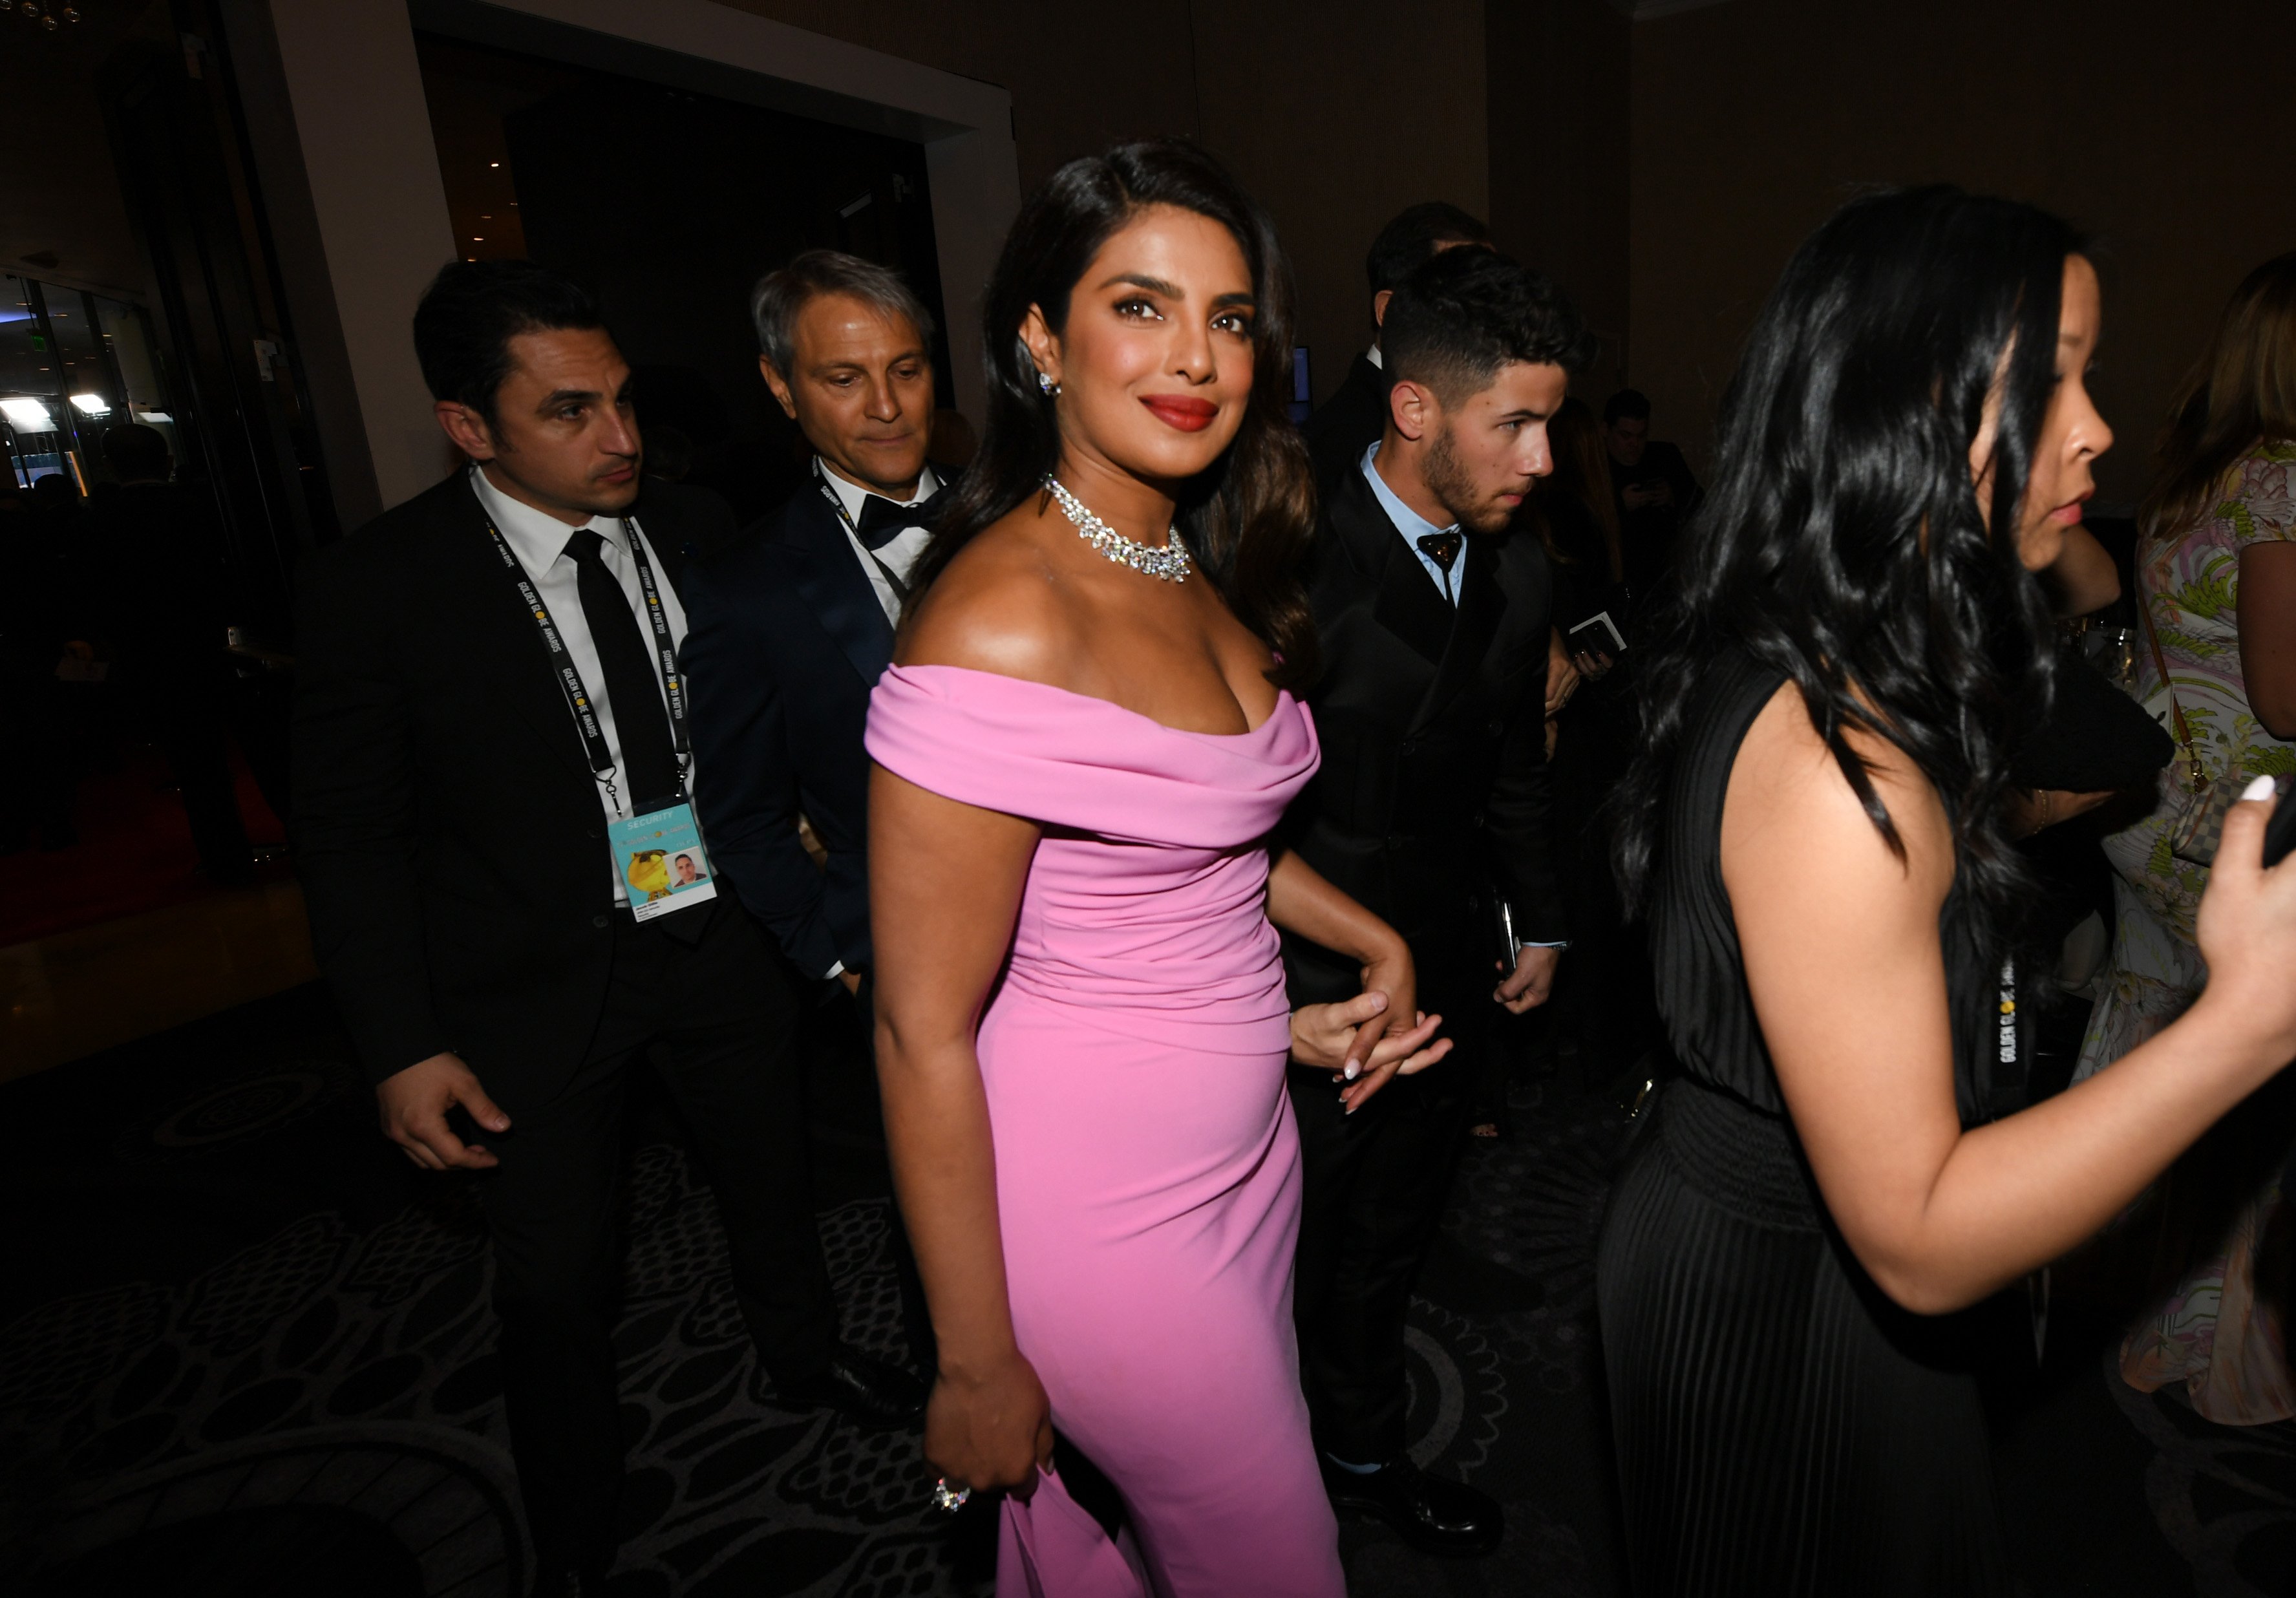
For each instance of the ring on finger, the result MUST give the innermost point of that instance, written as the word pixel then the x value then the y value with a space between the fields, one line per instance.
pixel 947 1499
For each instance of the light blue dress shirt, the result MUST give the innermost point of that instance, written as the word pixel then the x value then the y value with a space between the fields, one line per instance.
pixel 1413 526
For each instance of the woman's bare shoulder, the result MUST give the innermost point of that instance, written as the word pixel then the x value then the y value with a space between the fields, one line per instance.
pixel 997 607
pixel 1792 811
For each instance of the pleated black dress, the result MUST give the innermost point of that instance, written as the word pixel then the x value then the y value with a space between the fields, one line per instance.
pixel 1782 1426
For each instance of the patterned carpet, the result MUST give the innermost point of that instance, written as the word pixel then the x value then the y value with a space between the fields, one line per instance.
pixel 249 1352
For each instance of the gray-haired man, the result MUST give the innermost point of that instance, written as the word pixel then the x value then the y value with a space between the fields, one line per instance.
pixel 789 629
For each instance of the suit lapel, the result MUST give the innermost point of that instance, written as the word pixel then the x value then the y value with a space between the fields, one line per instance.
pixel 499 640
pixel 1408 604
pixel 1482 604
pixel 836 590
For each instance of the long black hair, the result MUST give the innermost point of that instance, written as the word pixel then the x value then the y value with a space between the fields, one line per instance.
pixel 1248 519
pixel 1844 544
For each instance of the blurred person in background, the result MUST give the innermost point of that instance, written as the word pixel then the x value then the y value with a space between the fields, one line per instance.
pixel 1603 994
pixel 1348 423
pixel 1655 492
pixel 2215 572
pixel 39 622
pixel 163 611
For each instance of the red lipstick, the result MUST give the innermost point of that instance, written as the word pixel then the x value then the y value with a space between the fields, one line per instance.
pixel 1189 416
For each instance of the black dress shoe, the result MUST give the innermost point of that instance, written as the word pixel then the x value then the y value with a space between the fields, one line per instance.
pixel 876 1396
pixel 1429 1512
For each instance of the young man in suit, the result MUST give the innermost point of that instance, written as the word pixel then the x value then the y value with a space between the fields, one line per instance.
pixel 1348 423
pixel 1431 808
pixel 488 700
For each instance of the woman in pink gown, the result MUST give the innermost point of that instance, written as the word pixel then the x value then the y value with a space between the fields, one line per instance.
pixel 1081 1016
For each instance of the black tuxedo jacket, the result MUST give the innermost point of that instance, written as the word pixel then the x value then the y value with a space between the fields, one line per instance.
pixel 784 640
pixel 1347 424
pixel 1433 793
pixel 446 825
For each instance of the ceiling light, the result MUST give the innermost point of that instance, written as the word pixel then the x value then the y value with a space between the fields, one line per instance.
pixel 493 163
pixel 29 414
pixel 93 405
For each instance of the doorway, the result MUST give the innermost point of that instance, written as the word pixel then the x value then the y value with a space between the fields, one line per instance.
pixel 669 204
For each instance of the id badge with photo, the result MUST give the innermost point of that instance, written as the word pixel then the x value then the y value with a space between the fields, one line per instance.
pixel 664 867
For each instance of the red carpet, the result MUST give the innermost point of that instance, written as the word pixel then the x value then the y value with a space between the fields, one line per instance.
pixel 133 854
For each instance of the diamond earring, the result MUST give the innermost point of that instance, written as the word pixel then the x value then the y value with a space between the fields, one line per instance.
pixel 1051 389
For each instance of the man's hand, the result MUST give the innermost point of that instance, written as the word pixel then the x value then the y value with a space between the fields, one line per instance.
pixel 1656 492
pixel 1532 979
pixel 415 1102
pixel 1562 674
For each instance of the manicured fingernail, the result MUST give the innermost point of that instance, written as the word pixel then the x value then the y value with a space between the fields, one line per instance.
pixel 1353 1070
pixel 2260 789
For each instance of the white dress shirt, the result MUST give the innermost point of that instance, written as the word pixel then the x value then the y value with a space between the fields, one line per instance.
pixel 900 552
pixel 1413 527
pixel 539 540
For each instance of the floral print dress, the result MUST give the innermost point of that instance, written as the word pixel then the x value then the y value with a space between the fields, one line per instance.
pixel 2213 1334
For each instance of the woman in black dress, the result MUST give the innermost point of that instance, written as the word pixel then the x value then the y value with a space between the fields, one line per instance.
pixel 1815 828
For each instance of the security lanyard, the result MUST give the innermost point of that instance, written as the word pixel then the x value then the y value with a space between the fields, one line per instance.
pixel 821 480
pixel 570 679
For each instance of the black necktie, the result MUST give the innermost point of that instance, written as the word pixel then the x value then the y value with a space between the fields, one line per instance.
pixel 1442 548
pixel 632 684
pixel 882 519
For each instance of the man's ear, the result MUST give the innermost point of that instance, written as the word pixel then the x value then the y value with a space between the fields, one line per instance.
pixel 1414 409
pixel 1379 307
pixel 466 428
pixel 779 386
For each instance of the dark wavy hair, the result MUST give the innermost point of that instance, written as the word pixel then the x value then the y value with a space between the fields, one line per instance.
pixel 1248 519
pixel 1843 543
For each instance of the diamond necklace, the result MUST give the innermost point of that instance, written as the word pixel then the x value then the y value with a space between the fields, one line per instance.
pixel 1169 564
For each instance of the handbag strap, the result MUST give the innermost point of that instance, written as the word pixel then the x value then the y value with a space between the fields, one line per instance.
pixel 2195 777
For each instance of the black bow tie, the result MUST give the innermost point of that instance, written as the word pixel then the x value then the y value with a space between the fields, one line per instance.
pixel 1442 548
pixel 882 519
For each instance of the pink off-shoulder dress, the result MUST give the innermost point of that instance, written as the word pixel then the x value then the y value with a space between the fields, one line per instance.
pixel 1147 1169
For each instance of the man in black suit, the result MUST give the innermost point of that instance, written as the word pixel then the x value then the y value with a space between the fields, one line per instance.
pixel 488 697
pixel 1431 810
pixel 1348 423
pixel 793 624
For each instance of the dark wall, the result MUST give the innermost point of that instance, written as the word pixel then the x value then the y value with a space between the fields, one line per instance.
pixel 2166 129
pixel 1558 78
pixel 1334 113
